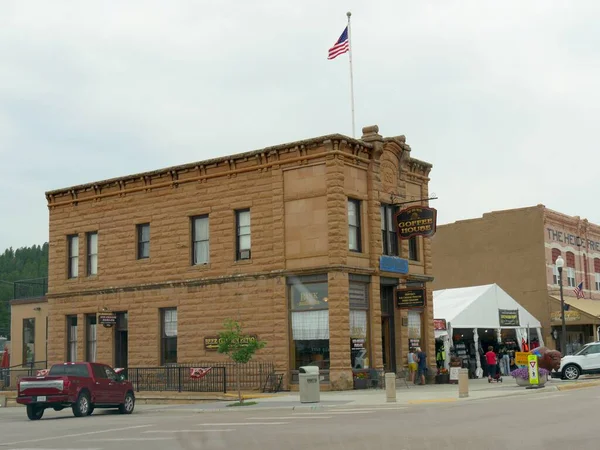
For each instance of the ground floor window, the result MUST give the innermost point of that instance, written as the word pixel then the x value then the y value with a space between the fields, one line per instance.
pixel 91 338
pixel 72 339
pixel 309 321
pixel 359 324
pixel 169 336
pixel 414 329
pixel 28 341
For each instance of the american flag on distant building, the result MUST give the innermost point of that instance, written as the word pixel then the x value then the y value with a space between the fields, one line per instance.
pixel 579 291
pixel 341 46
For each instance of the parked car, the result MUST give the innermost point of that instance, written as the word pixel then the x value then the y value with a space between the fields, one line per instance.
pixel 585 361
pixel 80 386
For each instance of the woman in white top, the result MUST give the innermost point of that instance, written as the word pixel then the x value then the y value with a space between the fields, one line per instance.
pixel 412 364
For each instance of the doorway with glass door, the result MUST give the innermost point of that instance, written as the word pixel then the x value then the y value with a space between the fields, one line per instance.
pixel 121 340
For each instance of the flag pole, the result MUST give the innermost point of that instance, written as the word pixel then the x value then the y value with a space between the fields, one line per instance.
pixel 351 75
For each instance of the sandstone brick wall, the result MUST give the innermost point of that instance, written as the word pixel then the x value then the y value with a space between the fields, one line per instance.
pixel 297 195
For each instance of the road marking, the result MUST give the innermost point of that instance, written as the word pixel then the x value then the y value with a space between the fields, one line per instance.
pixel 374 408
pixel 434 400
pixel 545 397
pixel 240 424
pixel 130 439
pixel 290 417
pixel 112 430
pixel 189 431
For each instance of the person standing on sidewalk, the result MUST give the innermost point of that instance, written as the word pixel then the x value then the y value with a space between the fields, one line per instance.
pixel 412 364
pixel 492 361
pixel 422 364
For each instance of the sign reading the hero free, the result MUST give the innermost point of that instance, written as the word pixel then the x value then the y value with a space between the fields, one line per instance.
pixel 416 221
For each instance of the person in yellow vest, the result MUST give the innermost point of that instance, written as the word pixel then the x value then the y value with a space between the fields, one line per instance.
pixel 440 357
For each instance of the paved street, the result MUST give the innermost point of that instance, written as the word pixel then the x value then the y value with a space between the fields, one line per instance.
pixel 550 419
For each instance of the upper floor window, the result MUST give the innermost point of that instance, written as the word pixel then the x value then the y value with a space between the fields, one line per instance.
pixel 73 260
pixel 413 248
pixel 143 241
pixel 92 253
pixel 555 254
pixel 243 241
pixel 389 237
pixel 354 233
pixel 571 269
pixel 200 241
pixel 597 272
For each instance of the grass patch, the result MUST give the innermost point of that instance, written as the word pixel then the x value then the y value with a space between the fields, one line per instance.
pixel 243 404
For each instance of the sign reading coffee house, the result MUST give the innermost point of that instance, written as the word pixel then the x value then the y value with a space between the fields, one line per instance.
pixel 416 221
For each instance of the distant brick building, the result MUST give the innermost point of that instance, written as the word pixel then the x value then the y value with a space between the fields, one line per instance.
pixel 287 239
pixel 518 249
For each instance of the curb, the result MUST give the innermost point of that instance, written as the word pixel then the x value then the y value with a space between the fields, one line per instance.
pixel 570 387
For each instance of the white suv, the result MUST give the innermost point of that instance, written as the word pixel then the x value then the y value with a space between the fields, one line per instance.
pixel 586 360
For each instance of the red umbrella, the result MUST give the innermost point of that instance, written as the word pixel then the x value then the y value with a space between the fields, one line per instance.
pixel 5 363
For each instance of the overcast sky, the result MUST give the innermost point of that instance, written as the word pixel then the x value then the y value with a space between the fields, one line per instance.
pixel 502 97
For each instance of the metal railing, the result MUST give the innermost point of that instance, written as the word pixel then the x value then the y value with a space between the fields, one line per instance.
pixel 32 288
pixel 179 379
pixel 9 377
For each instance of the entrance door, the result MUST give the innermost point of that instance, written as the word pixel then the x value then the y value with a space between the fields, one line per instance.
pixel 388 336
pixel 121 341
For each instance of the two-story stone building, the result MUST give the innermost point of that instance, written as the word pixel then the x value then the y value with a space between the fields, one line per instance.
pixel 287 239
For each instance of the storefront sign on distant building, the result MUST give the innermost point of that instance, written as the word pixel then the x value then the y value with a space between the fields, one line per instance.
pixel 410 298
pixel 508 317
pixel 570 316
pixel 416 221
pixel 439 324
pixel 393 264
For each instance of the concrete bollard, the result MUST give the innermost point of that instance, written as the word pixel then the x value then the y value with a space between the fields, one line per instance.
pixel 2 401
pixel 463 383
pixel 390 387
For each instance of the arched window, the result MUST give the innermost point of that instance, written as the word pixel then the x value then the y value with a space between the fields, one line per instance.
pixel 570 269
pixel 555 255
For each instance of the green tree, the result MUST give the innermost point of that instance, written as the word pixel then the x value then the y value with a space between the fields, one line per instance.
pixel 239 347
pixel 21 264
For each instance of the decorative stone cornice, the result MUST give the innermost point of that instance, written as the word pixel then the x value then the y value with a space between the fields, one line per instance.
pixel 227 166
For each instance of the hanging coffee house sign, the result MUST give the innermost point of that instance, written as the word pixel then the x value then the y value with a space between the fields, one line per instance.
pixel 416 221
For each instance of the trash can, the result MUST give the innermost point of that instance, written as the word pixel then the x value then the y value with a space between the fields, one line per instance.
pixel 310 387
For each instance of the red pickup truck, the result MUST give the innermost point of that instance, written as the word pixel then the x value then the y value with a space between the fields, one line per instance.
pixel 81 386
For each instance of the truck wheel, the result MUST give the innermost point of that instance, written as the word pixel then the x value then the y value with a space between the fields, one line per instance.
pixel 82 406
pixel 127 406
pixel 35 412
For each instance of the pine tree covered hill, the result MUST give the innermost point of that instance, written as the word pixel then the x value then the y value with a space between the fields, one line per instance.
pixel 21 264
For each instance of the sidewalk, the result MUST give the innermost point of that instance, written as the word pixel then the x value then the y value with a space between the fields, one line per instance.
pixel 413 395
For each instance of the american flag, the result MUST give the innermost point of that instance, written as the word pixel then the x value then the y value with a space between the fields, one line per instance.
pixel 579 291
pixel 341 46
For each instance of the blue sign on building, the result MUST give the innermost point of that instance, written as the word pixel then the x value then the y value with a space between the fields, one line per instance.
pixel 393 264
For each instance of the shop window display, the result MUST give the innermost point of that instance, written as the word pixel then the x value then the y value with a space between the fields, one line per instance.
pixel 310 325
pixel 359 320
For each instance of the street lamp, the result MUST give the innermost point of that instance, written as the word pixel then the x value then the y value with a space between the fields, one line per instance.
pixel 560 263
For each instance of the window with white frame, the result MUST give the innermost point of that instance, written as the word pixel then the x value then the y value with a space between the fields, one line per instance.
pixel 243 235
pixel 598 281
pixel 71 338
pixel 571 276
pixel 309 322
pixel 389 237
pixel 200 240
pixel 354 234
pixel 169 336
pixel 73 260
pixel 92 253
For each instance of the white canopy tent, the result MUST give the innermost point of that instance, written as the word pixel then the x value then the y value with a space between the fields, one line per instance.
pixel 479 307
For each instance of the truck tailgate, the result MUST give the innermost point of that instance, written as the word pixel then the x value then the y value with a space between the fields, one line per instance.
pixel 41 386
